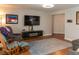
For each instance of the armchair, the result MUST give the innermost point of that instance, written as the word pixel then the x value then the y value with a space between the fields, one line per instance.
pixel 16 36
pixel 7 47
pixel 10 44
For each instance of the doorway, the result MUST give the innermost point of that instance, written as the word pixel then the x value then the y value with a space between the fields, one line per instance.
pixel 59 25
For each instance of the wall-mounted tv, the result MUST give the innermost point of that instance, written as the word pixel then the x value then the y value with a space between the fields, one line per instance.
pixel 30 20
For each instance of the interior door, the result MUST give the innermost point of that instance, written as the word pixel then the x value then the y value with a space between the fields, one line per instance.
pixel 58 24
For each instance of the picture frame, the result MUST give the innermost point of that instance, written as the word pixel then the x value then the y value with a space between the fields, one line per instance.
pixel 77 17
pixel 11 19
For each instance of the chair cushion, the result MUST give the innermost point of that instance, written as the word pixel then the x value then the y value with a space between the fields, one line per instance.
pixel 22 44
pixel 12 45
pixel 16 43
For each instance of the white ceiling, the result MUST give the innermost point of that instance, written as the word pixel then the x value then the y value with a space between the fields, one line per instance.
pixel 57 7
pixel 38 6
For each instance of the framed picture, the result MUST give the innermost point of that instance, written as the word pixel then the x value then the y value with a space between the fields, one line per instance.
pixel 11 19
pixel 77 17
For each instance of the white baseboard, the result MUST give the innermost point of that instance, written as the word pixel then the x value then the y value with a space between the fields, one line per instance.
pixel 69 39
pixel 47 34
pixel 58 33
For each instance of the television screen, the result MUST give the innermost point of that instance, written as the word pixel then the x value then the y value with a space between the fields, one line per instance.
pixel 31 20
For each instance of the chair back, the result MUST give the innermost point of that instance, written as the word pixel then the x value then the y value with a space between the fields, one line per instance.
pixel 5 37
pixel 4 31
pixel 3 41
pixel 9 29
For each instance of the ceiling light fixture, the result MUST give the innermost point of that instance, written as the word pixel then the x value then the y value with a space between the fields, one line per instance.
pixel 47 5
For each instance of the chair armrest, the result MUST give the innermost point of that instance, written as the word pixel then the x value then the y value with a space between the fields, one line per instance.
pixel 14 51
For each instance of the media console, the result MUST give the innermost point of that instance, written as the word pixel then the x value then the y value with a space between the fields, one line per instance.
pixel 28 34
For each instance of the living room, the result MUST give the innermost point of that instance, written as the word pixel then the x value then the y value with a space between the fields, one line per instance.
pixel 19 11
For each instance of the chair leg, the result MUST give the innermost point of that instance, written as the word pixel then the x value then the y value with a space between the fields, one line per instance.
pixel 25 48
pixel 14 51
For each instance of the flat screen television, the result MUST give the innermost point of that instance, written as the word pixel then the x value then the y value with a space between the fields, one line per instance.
pixel 30 20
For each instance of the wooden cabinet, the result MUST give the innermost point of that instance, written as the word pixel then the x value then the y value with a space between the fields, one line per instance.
pixel 28 34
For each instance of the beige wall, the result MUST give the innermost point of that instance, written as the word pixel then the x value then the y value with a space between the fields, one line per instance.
pixel 58 12
pixel 45 20
pixel 58 23
pixel 71 29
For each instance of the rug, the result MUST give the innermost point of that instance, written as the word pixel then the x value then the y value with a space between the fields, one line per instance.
pixel 47 46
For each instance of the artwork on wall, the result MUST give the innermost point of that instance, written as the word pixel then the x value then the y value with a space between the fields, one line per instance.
pixel 77 17
pixel 11 19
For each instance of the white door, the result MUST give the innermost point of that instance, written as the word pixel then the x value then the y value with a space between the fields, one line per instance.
pixel 58 24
